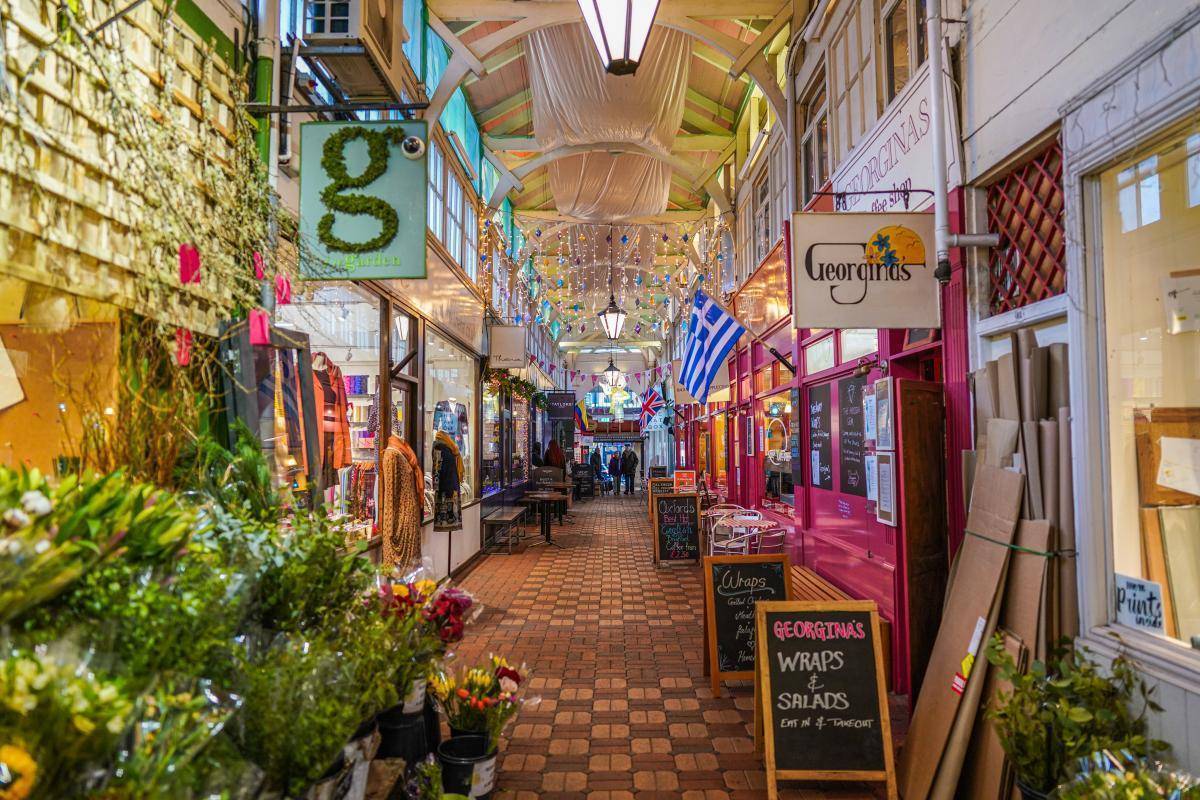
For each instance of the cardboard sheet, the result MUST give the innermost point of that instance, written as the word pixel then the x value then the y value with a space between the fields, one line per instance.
pixel 1033 384
pixel 977 578
pixel 1025 591
pixel 987 398
pixel 1048 453
pixel 1002 438
pixel 1008 397
pixel 987 775
pixel 1030 441
pixel 1059 379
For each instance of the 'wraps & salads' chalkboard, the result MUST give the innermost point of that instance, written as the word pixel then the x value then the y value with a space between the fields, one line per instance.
pixel 821 694
pixel 677 527
pixel 732 586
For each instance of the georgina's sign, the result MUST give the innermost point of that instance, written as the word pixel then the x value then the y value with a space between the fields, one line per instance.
pixel 864 271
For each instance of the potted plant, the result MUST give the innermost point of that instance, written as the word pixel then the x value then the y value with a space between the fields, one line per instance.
pixel 1061 711
pixel 481 700
pixel 1109 776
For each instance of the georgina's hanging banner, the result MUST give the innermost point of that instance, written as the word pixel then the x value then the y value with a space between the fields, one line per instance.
pixel 363 199
pixel 864 271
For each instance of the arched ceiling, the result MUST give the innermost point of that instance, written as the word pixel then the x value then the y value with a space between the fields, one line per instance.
pixel 725 57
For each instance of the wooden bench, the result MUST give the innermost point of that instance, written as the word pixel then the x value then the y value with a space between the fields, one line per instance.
pixel 808 585
pixel 501 523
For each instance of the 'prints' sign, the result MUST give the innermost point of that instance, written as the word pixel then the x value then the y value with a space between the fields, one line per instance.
pixel 1139 603
pixel 864 271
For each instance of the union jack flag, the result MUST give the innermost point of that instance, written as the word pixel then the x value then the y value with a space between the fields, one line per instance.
pixel 651 405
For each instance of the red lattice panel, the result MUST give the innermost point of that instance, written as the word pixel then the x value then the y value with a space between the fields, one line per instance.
pixel 1026 208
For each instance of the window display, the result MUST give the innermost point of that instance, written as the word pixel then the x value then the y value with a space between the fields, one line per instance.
pixel 342 323
pixel 1150 218
pixel 720 452
pixel 520 440
pixel 492 478
pixel 450 386
pixel 777 453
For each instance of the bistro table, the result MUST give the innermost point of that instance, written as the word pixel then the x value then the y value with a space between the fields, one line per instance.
pixel 740 522
pixel 545 502
pixel 567 488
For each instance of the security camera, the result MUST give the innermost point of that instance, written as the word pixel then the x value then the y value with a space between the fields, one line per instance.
pixel 413 147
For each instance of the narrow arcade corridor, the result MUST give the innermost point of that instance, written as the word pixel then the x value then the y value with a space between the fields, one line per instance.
pixel 615 648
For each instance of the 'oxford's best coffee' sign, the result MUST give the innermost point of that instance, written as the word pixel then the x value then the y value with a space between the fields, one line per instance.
pixel 864 271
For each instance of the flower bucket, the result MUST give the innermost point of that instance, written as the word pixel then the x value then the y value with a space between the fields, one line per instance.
pixel 468 766
pixel 403 735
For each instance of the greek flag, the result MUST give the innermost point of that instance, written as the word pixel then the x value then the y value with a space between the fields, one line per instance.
pixel 712 331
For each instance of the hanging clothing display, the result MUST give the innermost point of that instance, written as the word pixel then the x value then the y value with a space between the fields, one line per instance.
pixel 400 506
pixel 451 418
pixel 333 417
pixel 447 480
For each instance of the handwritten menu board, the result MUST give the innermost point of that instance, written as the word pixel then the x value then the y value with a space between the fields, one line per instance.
pixel 732 585
pixel 677 527
pixel 819 679
pixel 657 486
pixel 820 436
pixel 852 467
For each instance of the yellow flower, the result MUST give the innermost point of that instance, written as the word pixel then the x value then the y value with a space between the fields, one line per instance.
pixel 23 770
pixel 84 724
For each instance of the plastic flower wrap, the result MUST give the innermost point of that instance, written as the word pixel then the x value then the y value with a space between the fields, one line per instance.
pixel 50 536
pixel 1123 776
pixel 58 720
pixel 483 699
pixel 172 726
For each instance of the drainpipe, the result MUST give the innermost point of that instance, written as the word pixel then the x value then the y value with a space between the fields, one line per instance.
pixel 937 108
pixel 266 83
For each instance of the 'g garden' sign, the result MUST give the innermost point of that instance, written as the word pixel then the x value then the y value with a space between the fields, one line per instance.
pixel 865 271
pixel 362 199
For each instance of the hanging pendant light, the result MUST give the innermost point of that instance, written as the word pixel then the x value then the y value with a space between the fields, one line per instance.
pixel 612 319
pixel 613 378
pixel 619 29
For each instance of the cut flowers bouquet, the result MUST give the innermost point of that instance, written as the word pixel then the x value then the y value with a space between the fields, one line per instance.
pixel 482 699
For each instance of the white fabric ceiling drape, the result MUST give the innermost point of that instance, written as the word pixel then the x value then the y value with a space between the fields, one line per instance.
pixel 576 103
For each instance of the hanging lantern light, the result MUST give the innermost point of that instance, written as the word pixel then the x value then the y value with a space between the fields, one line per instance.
pixel 612 377
pixel 612 319
pixel 619 29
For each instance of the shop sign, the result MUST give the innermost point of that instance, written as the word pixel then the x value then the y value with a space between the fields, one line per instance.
pixel 1140 604
pixel 896 156
pixel 363 199
pixel 864 271
pixel 506 347
pixel 685 480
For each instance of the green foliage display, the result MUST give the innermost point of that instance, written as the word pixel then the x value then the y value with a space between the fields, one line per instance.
pixel 1060 712
pixel 335 198
pixel 503 380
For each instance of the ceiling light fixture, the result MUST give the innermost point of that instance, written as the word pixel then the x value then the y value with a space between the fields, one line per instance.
pixel 612 319
pixel 613 378
pixel 619 28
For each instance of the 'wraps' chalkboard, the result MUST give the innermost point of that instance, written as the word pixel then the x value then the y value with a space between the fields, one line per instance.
pixel 820 691
pixel 677 527
pixel 852 462
pixel 732 586
pixel 820 436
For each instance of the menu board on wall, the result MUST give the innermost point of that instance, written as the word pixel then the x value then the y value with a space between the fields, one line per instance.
pixel 677 527
pixel 819 676
pixel 794 443
pixel 560 409
pixel 852 469
pixel 732 586
pixel 657 486
pixel 820 436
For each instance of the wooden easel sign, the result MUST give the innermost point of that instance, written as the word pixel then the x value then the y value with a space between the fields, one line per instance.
pixel 656 486
pixel 732 587
pixel 819 693
pixel 676 528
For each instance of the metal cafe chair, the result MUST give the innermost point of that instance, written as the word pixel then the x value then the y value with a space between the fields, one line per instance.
pixel 733 546
pixel 771 541
pixel 710 516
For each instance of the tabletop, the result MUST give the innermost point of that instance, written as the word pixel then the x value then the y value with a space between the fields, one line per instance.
pixel 749 523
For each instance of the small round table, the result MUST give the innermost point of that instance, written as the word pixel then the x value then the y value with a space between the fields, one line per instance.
pixel 545 502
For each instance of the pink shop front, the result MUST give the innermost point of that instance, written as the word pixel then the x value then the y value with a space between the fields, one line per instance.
pixel 866 504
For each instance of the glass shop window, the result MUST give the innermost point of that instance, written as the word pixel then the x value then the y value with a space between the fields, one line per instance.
pixel 818 355
pixel 493 442
pixel 719 452
pixel 814 148
pixel 521 440
pixel 1150 234
pixel 858 342
pixel 450 386
pixel 342 323
pixel 777 452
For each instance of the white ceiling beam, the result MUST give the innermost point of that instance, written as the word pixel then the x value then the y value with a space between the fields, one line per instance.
pixel 499 10
pixel 666 218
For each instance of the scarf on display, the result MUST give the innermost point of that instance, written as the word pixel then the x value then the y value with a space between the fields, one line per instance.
pixel 405 450
pixel 444 438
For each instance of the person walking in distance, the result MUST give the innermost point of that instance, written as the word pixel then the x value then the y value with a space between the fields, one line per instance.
pixel 629 463
pixel 614 471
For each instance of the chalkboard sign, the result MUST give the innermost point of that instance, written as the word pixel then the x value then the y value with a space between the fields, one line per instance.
pixel 820 436
pixel 656 486
pixel 852 465
pixel 677 527
pixel 658 472
pixel 543 477
pixel 794 444
pixel 732 585
pixel 819 688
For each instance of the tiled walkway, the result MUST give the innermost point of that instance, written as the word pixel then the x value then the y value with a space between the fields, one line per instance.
pixel 615 647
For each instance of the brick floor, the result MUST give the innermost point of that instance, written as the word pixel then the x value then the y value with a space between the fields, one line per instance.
pixel 615 648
